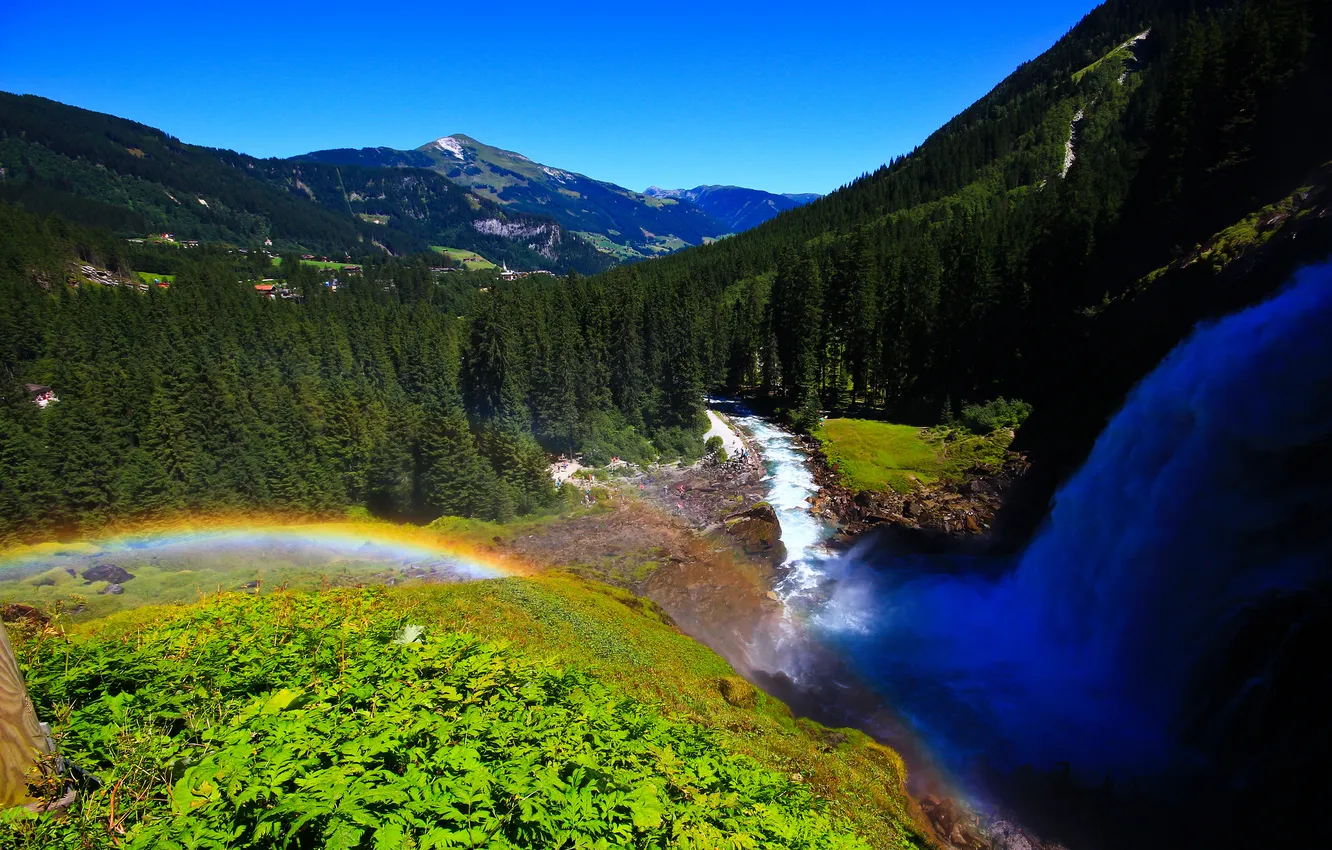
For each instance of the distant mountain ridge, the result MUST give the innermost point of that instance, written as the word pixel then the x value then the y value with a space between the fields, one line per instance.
pixel 104 171
pixel 734 206
pixel 617 221
pixel 626 224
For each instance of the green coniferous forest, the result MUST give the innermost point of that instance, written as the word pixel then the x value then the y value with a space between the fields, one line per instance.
pixel 410 395
pixel 1095 198
pixel 964 270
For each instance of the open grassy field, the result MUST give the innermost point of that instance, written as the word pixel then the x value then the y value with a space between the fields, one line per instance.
pixel 319 264
pixel 154 277
pixel 603 244
pixel 468 259
pixel 873 455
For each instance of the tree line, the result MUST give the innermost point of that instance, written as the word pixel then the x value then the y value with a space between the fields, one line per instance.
pixel 412 393
pixel 952 274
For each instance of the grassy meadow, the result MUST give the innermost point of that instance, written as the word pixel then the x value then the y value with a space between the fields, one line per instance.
pixel 873 455
pixel 468 259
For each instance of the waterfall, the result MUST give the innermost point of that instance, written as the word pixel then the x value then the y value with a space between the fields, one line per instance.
pixel 1111 643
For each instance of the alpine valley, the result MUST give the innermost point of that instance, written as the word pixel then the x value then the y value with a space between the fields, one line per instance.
pixel 439 498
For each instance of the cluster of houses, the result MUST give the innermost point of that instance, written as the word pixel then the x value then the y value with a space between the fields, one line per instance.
pixel 507 273
pixel 272 289
pixel 168 237
pixel 41 395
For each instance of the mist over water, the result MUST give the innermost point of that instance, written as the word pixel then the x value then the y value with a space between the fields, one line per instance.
pixel 1205 496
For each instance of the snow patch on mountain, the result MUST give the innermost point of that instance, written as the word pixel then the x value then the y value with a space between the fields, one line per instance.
pixel 449 145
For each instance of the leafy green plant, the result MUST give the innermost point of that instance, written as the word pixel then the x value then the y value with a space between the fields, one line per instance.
pixel 995 414
pixel 307 720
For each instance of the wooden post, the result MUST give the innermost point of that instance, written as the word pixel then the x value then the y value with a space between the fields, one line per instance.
pixel 21 736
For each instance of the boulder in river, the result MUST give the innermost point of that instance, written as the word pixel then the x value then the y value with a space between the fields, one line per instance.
pixel 107 572
pixel 759 531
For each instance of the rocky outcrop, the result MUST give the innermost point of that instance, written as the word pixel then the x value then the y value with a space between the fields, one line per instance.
pixel 18 612
pixel 759 531
pixel 107 572
pixel 961 508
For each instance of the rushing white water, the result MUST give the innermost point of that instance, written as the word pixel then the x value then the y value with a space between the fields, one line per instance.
pixel 790 487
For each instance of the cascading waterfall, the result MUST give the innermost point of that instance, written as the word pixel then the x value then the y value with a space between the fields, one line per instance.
pixel 1205 494
pixel 1161 626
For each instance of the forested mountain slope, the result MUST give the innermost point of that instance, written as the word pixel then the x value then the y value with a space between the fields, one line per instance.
pixel 410 393
pixel 735 207
pixel 961 271
pixel 626 224
pixel 105 171
pixel 1050 243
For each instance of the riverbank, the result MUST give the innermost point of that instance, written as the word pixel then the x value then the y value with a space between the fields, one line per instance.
pixel 962 503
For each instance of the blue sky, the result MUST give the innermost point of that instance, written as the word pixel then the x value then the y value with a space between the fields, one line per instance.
pixel 780 96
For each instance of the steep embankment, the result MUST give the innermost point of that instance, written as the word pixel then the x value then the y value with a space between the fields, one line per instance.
pixel 365 717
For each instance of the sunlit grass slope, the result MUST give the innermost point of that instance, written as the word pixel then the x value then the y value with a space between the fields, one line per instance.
pixel 872 455
pixel 526 712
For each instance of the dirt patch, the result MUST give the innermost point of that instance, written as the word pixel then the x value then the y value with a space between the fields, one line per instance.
pixel 663 535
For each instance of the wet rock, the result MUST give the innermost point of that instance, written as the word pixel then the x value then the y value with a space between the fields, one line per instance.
pixel 17 611
pixel 107 572
pixel 759 531
pixel 112 589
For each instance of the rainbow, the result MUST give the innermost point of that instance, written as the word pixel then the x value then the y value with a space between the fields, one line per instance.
pixel 353 539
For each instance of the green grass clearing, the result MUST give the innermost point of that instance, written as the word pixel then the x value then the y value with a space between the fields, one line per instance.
pixel 468 259
pixel 872 455
pixel 153 277
pixel 320 264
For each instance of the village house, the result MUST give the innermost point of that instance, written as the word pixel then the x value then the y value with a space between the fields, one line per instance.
pixel 265 289
pixel 41 395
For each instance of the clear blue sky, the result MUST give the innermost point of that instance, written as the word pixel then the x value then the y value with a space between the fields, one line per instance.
pixel 780 96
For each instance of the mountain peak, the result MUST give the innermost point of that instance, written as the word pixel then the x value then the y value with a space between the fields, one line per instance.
pixel 450 145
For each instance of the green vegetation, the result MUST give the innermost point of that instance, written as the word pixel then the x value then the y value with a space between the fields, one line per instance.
pixel 317 264
pixel 466 259
pixel 960 450
pixel 618 220
pixel 406 393
pixel 365 718
pixel 974 266
pixel 871 455
pixel 1116 59
pixel 154 277
pixel 102 171
pixel 606 245
pixel 715 447
pixel 995 414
